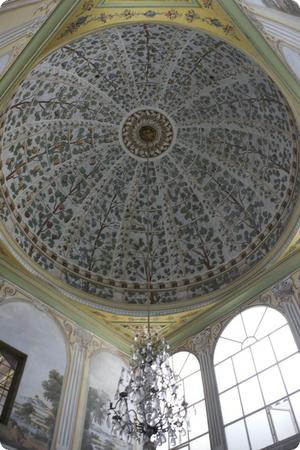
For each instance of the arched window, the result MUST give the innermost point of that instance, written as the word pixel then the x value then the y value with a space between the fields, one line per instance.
pixel 257 366
pixel 186 366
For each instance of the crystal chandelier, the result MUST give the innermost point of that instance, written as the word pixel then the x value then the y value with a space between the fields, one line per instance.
pixel 147 403
pixel 148 406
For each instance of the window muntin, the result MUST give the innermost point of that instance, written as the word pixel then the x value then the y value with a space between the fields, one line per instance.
pixel 257 367
pixel 186 367
pixel 11 367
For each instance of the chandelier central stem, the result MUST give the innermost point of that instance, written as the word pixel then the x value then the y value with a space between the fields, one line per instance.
pixel 148 407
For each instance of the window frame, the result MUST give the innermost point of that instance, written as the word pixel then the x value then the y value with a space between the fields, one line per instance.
pixel 186 444
pixel 13 389
pixel 286 443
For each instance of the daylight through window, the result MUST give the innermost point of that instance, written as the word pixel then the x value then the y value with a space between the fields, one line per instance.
pixel 257 366
pixel 196 437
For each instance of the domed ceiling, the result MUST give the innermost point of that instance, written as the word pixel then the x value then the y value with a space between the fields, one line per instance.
pixel 148 158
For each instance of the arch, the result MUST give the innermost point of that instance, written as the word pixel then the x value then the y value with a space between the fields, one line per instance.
pixel 104 372
pixel 187 368
pixel 257 366
pixel 30 330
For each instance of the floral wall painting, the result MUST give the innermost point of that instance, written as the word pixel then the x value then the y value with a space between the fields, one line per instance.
pixel 147 3
pixel 103 379
pixel 32 421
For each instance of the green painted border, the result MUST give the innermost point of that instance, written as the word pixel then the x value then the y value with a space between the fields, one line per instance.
pixel 35 46
pixel 134 4
pixel 261 284
pixel 52 296
pixel 260 44
pixel 55 299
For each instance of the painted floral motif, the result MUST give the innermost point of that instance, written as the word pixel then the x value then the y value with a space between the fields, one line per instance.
pixel 184 224
pixel 190 16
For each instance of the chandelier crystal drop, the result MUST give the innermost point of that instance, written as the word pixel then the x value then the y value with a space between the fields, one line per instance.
pixel 148 406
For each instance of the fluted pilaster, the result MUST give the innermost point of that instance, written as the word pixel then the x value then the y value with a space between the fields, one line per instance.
pixel 79 342
pixel 202 344
pixel 285 296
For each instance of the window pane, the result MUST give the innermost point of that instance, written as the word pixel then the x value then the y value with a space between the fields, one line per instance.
pixel 191 365
pixel 263 354
pixel 295 401
pixel 201 443
pixel 178 360
pixel 259 430
pixel 291 372
pixel 271 321
pixel 225 375
pixel 272 385
pixel 180 390
pixel 251 395
pixel 231 405
pixel 252 317
pixel 249 341
pixel 164 446
pixel 193 388
pixel 236 436
pixel 235 330
pixel 283 419
pixel 225 348
pixel 175 447
pixel 283 343
pixel 198 420
pixel 243 364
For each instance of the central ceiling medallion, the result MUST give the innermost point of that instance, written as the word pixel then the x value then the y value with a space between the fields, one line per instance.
pixel 147 133
pixel 164 176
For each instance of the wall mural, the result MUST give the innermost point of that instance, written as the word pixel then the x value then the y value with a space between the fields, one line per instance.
pixel 103 379
pixel 32 421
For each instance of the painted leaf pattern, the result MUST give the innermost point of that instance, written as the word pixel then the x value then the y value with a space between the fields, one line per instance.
pixel 199 216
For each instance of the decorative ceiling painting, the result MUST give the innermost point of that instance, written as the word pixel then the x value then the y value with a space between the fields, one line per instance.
pixel 206 200
pixel 92 15
pixel 151 4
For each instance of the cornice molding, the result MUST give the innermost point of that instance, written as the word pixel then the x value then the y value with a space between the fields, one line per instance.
pixel 74 334
pixel 263 48
pixel 34 48
pixel 277 297
pixel 259 291
pixel 52 298
pixel 13 4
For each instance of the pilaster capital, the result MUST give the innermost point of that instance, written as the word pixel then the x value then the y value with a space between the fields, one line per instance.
pixel 283 291
pixel 95 346
pixel 6 290
pixel 204 341
pixel 82 337
pixel 10 292
pixel 77 335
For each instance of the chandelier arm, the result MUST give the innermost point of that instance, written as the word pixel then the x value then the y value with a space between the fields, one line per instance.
pixel 147 406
